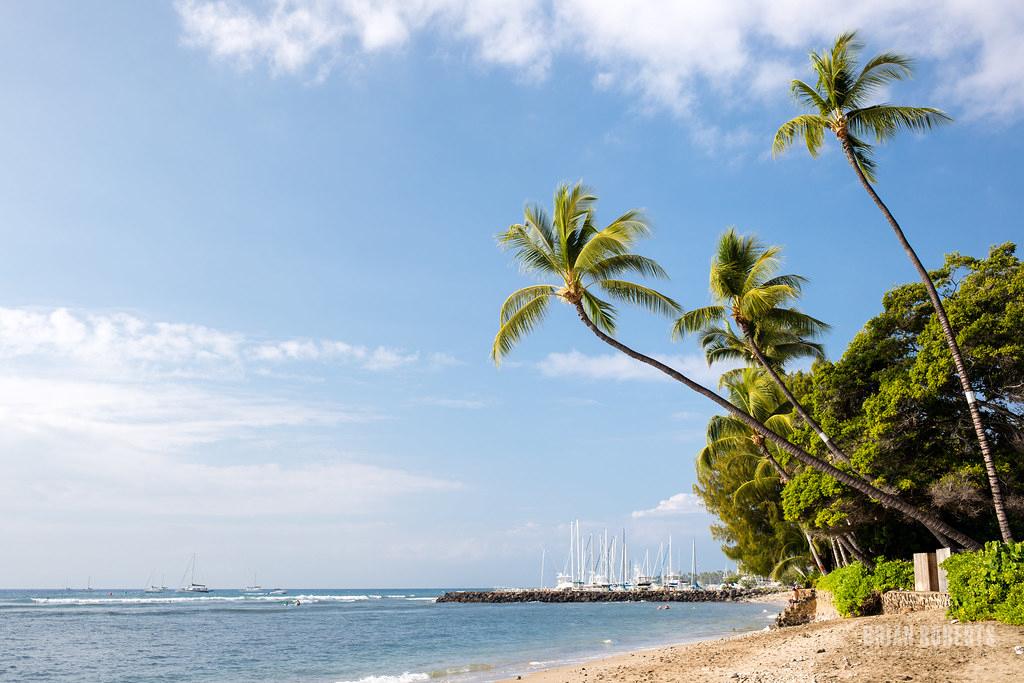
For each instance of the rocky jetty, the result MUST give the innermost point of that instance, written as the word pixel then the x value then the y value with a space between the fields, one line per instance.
pixel 508 596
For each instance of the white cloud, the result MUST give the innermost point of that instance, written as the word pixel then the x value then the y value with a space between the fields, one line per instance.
pixel 109 413
pixel 122 343
pixel 616 366
pixel 669 54
pixel 679 504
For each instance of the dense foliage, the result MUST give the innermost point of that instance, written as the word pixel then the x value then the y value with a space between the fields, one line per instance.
pixel 892 402
pixel 855 588
pixel 987 584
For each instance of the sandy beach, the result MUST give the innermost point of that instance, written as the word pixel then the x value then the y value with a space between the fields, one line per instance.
pixel 923 646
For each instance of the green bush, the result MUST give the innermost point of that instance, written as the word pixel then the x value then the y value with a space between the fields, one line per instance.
pixel 893 575
pixel 855 590
pixel 987 583
pixel 851 587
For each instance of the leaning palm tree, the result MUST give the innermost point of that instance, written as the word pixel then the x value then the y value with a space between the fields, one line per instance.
pixel 839 102
pixel 745 287
pixel 586 260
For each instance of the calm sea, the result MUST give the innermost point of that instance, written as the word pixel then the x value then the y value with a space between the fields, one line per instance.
pixel 372 636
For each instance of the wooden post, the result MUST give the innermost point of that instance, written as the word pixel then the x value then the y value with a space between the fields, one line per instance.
pixel 940 555
pixel 924 564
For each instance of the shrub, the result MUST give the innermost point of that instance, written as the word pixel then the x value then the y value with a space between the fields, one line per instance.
pixel 855 590
pixel 851 587
pixel 893 575
pixel 987 583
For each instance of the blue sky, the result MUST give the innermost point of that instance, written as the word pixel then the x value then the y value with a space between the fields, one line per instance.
pixel 249 281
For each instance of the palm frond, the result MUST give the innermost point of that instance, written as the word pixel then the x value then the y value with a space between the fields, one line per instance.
pixel 808 96
pixel 697 320
pixel 885 120
pixel 623 264
pixel 531 252
pixel 878 71
pixel 613 240
pixel 521 297
pixel 519 324
pixel 600 312
pixel 862 154
pixel 641 296
pixel 811 127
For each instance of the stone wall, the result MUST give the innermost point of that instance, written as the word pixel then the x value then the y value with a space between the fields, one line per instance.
pixel 798 612
pixel 824 609
pixel 901 602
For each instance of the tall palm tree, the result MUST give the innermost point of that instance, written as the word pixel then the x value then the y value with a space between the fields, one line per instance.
pixel 585 259
pixel 745 287
pixel 839 102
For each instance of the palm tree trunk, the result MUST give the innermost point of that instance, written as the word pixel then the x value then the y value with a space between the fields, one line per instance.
pixel 954 347
pixel 837 552
pixel 835 450
pixel 814 554
pixel 888 500
pixel 855 550
pixel 784 478
pixel 776 465
pixel 804 415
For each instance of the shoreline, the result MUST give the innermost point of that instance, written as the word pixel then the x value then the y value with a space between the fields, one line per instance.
pixel 921 646
pixel 776 602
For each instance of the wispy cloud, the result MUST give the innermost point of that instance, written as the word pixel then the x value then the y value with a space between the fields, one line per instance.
pixel 669 54
pixel 615 366
pixel 111 413
pixel 679 504
pixel 123 343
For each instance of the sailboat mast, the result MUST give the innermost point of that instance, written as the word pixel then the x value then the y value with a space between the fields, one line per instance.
pixel 693 562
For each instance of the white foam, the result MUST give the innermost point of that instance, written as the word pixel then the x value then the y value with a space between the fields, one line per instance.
pixel 430 599
pixel 401 678
pixel 206 599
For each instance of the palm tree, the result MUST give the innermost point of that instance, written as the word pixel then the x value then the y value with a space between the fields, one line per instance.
pixel 838 102
pixel 757 394
pixel 746 288
pixel 583 258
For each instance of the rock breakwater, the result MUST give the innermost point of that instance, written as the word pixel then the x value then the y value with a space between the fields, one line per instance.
pixel 558 596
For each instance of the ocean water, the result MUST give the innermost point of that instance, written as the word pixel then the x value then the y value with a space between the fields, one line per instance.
pixel 370 636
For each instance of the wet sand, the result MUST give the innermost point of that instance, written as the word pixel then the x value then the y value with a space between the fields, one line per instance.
pixel 922 646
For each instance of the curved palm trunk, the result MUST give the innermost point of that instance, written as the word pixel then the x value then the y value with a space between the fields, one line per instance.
pixel 804 415
pixel 776 465
pixel 886 499
pixel 833 449
pixel 954 348
pixel 784 478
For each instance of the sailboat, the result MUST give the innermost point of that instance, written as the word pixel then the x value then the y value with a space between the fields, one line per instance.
pixel 192 586
pixel 152 587
pixel 255 588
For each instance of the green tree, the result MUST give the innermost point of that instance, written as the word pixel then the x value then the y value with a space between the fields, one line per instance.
pixel 753 501
pixel 839 102
pixel 893 401
pixel 583 258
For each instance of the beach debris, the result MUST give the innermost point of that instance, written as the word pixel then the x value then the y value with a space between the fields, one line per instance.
pixel 954 621
pixel 1019 650
pixel 820 650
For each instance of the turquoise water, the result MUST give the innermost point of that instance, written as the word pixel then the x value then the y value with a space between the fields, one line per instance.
pixel 373 636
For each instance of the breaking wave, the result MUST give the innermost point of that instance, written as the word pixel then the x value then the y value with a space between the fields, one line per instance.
pixel 400 678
